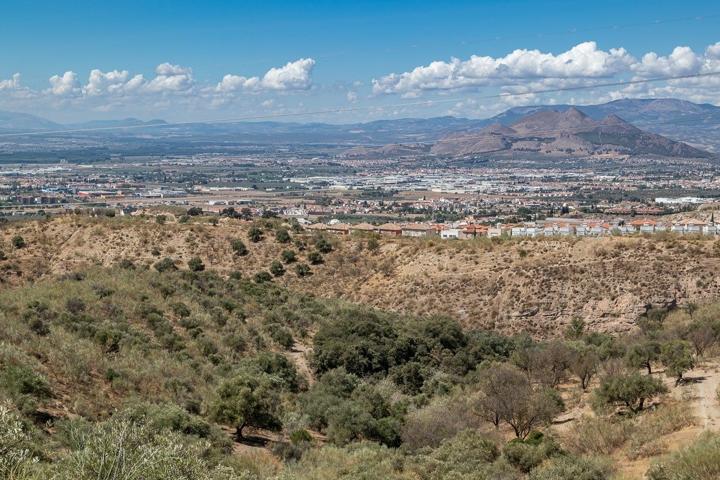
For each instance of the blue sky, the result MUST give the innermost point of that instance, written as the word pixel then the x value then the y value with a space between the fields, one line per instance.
pixel 327 54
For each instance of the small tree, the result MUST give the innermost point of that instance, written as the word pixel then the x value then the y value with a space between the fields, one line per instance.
pixel 643 354
pixel 584 364
pixel 373 245
pixel 631 390
pixel 18 242
pixel 302 269
pixel 702 336
pixel 277 269
pixel 238 246
pixel 248 400
pixel 323 246
pixel 507 395
pixel 677 357
pixel 164 265
pixel 194 211
pixel 282 235
pixel 195 264
pixel 575 329
pixel 288 256
pixel 255 234
pixel 315 258
pixel 262 277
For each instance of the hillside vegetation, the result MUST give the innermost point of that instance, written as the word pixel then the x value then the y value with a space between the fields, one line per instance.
pixel 537 286
pixel 222 363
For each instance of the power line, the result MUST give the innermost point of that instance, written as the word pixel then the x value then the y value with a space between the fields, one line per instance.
pixel 369 107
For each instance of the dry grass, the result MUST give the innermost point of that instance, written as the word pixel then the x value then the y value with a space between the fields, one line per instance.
pixel 484 283
pixel 640 437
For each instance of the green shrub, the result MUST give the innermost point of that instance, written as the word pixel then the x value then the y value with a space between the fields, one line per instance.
pixel 302 270
pixel 16 458
pixel 699 461
pixel 323 246
pixel 288 256
pixel 281 335
pixel 238 246
pixel 282 235
pixel 277 269
pixel 527 454
pixel 262 277
pixel 315 258
pixel 165 265
pixel 17 379
pixel 137 452
pixel 195 264
pixel 18 242
pixel 255 234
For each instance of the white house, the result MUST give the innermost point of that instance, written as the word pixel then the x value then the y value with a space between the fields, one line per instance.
pixel 494 232
pixel 518 232
pixel 449 233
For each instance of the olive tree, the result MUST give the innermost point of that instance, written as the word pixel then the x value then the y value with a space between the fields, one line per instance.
pixel 677 357
pixel 507 395
pixel 248 400
pixel 630 390
pixel 584 363
pixel 643 354
pixel 255 234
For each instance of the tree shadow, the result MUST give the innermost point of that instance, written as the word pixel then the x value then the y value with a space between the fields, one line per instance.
pixel 253 440
pixel 693 380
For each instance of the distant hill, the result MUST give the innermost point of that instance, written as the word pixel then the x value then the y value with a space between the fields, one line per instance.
pixel 13 121
pixel 568 133
pixel 126 122
pixel 697 124
pixel 679 120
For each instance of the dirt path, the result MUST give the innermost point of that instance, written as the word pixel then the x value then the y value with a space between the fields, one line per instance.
pixel 299 356
pixel 707 406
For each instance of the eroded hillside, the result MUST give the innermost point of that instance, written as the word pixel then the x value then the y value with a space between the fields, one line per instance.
pixel 532 285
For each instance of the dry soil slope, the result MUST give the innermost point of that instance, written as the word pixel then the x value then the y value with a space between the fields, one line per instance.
pixel 535 285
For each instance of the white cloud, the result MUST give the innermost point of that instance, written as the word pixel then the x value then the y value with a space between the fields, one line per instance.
pixel 13 83
pixel 682 61
pixel 584 60
pixel 171 78
pixel 234 83
pixel 293 76
pixel 352 96
pixel 113 82
pixel 64 85
pixel 712 52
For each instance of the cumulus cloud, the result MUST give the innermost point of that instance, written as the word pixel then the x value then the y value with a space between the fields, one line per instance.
pixel 682 61
pixel 112 83
pixel 524 71
pixel 13 83
pixel 171 78
pixel 712 52
pixel 64 85
pixel 293 76
pixel 584 60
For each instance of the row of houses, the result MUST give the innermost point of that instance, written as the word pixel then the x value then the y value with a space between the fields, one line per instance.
pixel 580 228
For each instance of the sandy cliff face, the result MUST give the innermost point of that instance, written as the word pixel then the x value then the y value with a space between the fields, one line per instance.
pixel 536 286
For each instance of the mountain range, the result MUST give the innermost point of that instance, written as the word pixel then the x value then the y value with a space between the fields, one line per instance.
pixel 566 133
pixel 695 124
